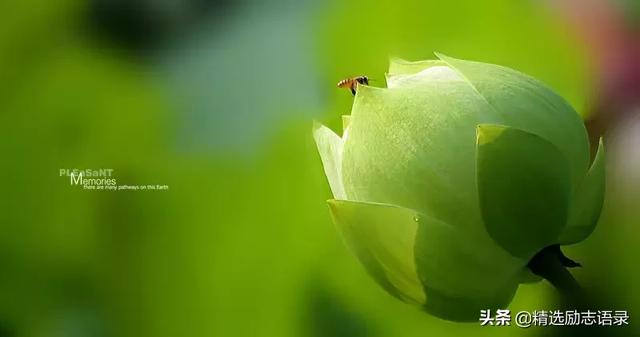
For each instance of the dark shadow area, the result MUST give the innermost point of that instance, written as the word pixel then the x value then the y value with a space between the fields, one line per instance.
pixel 328 315
pixel 142 25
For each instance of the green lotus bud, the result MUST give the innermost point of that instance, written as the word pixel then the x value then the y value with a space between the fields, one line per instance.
pixel 450 180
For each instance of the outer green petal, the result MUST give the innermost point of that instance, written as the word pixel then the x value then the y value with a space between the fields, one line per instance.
pixel 587 202
pixel 425 261
pixel 404 73
pixel 524 188
pixel 382 237
pixel 346 119
pixel 527 104
pixel 399 66
pixel 415 147
pixel 431 74
pixel 461 274
pixel 330 148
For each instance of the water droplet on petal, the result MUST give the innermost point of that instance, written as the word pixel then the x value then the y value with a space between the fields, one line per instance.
pixel 416 218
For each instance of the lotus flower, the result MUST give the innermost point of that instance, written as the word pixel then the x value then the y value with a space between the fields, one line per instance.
pixel 447 182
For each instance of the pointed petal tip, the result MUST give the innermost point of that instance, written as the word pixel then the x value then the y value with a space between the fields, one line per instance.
pixel 600 152
pixel 485 133
pixel 316 125
pixel 601 145
pixel 396 59
pixel 346 121
pixel 488 126
pixel 441 56
pixel 316 130
pixel 598 156
pixel 336 204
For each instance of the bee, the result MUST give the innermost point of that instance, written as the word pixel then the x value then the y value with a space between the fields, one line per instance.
pixel 353 82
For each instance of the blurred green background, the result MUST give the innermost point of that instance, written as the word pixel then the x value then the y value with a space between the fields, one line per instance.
pixel 215 99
